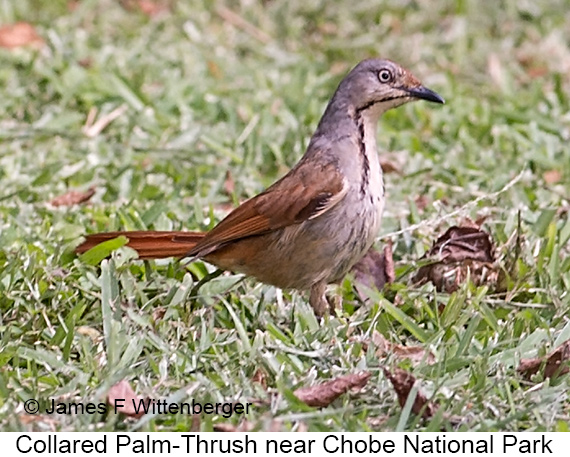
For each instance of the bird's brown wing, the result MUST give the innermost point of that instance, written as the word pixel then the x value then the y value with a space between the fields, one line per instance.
pixel 304 193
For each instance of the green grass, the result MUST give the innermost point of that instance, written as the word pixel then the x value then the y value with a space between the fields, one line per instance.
pixel 203 97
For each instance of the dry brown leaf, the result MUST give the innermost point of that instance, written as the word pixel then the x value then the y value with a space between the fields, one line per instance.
pixel 375 269
pixel 460 253
pixel 324 394
pixel 403 383
pixel 73 197
pixel 415 354
pixel 124 398
pixel 18 35
pixel 552 176
pixel 553 364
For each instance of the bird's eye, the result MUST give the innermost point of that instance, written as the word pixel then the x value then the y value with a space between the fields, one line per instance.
pixel 385 75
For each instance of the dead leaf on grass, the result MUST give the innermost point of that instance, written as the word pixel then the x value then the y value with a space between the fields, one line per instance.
pixel 415 354
pixel 324 394
pixel 403 383
pixel 374 270
pixel 460 253
pixel 73 197
pixel 18 35
pixel 552 176
pixel 124 398
pixel 554 364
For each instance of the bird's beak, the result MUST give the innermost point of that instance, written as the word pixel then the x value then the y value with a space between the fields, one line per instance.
pixel 424 93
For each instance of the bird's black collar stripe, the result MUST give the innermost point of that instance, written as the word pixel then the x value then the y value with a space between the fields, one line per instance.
pixel 371 104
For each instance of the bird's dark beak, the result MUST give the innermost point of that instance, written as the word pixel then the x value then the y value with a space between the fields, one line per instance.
pixel 424 93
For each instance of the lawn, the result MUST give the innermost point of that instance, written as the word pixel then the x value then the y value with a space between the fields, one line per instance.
pixel 174 112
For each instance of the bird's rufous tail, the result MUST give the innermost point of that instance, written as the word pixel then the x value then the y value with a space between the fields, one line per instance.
pixel 148 244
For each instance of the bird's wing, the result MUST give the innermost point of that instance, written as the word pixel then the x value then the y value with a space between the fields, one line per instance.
pixel 306 192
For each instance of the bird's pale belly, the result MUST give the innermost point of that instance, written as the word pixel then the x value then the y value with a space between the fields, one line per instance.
pixel 298 256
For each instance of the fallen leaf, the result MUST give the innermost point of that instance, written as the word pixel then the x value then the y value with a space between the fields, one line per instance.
pixel 127 397
pixel 18 35
pixel 73 197
pixel 460 253
pixel 374 270
pixel 415 354
pixel 554 364
pixel 324 394
pixel 552 176
pixel 403 383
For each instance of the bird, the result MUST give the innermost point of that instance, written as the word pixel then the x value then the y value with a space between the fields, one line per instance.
pixel 310 227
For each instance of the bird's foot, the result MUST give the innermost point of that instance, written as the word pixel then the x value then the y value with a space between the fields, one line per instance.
pixel 321 302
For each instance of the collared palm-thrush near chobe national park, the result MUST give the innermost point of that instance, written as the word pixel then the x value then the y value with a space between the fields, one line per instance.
pixel 309 228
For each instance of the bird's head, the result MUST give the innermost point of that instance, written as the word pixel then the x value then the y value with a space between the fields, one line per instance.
pixel 379 85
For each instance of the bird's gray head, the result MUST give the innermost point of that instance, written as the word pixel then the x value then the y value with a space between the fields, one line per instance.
pixel 378 85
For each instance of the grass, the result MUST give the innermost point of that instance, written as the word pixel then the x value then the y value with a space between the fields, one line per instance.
pixel 203 98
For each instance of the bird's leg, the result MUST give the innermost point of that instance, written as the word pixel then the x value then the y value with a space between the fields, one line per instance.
pixel 204 280
pixel 334 299
pixel 318 299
